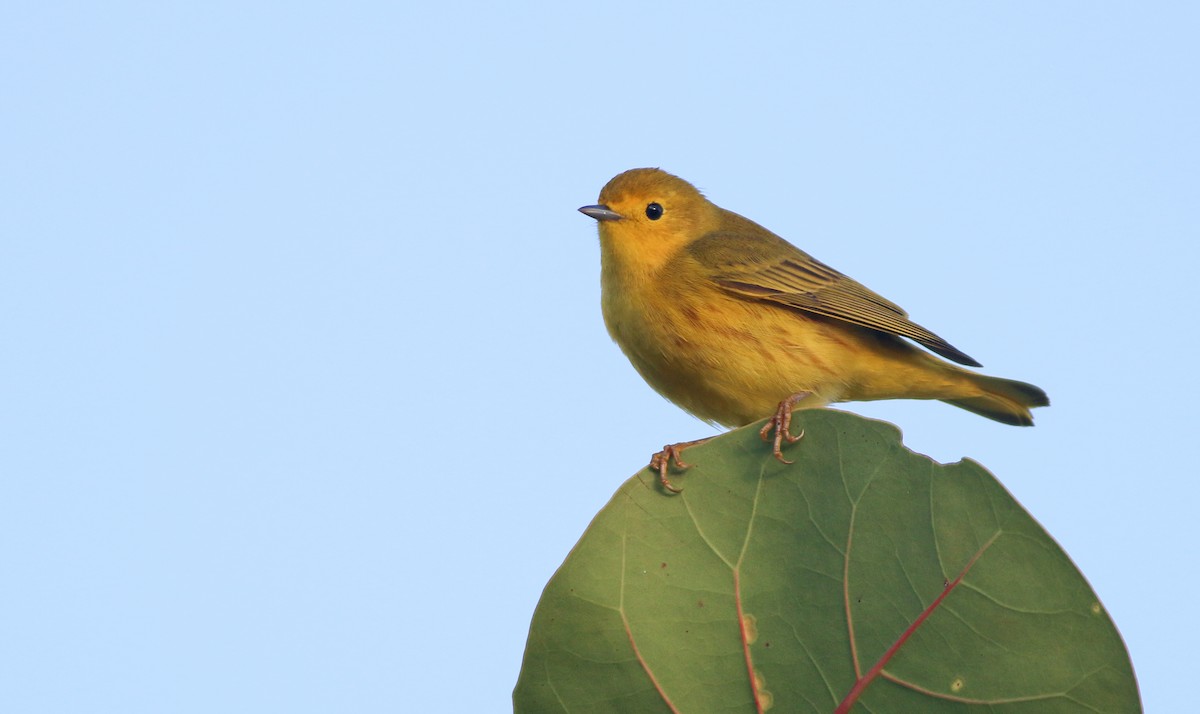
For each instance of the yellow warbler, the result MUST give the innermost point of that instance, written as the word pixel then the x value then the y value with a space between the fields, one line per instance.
pixel 733 323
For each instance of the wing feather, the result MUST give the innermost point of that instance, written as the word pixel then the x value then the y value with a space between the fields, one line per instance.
pixel 752 267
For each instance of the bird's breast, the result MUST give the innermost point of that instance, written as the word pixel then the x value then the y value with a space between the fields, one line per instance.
pixel 722 358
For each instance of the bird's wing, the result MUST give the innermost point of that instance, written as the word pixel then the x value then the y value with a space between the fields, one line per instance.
pixel 769 268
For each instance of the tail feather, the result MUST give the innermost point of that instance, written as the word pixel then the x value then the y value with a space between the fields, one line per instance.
pixel 1005 400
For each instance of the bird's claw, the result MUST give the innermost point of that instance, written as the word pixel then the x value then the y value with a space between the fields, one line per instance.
pixel 661 462
pixel 781 424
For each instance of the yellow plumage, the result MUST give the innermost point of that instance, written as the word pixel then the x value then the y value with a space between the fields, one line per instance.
pixel 728 320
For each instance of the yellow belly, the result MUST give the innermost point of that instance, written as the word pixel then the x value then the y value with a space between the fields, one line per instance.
pixel 731 361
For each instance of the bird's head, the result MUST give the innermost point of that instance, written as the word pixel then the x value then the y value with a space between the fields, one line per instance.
pixel 646 216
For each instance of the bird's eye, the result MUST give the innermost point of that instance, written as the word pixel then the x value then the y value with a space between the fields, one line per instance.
pixel 654 211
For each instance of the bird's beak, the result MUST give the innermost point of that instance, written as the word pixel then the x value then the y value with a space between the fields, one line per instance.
pixel 601 213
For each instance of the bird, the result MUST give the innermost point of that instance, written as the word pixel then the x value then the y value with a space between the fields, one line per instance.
pixel 733 323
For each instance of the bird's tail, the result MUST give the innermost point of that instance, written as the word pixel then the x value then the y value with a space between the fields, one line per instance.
pixel 1005 400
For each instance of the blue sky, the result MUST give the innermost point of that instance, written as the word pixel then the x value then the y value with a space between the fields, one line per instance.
pixel 305 387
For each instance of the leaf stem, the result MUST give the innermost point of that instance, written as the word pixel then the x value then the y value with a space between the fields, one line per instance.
pixel 863 681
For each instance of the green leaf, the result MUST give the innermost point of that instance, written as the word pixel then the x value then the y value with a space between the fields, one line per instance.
pixel 863 576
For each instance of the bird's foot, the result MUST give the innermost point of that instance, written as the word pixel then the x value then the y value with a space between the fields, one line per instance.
pixel 781 424
pixel 661 462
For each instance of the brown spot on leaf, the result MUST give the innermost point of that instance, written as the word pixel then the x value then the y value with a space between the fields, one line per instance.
pixel 750 627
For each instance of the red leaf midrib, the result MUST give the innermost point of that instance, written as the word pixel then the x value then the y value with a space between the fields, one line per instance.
pixel 866 679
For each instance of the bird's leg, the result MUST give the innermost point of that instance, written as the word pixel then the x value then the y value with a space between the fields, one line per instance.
pixel 781 424
pixel 661 462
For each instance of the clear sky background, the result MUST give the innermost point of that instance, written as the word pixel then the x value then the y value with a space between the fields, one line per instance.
pixel 304 387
